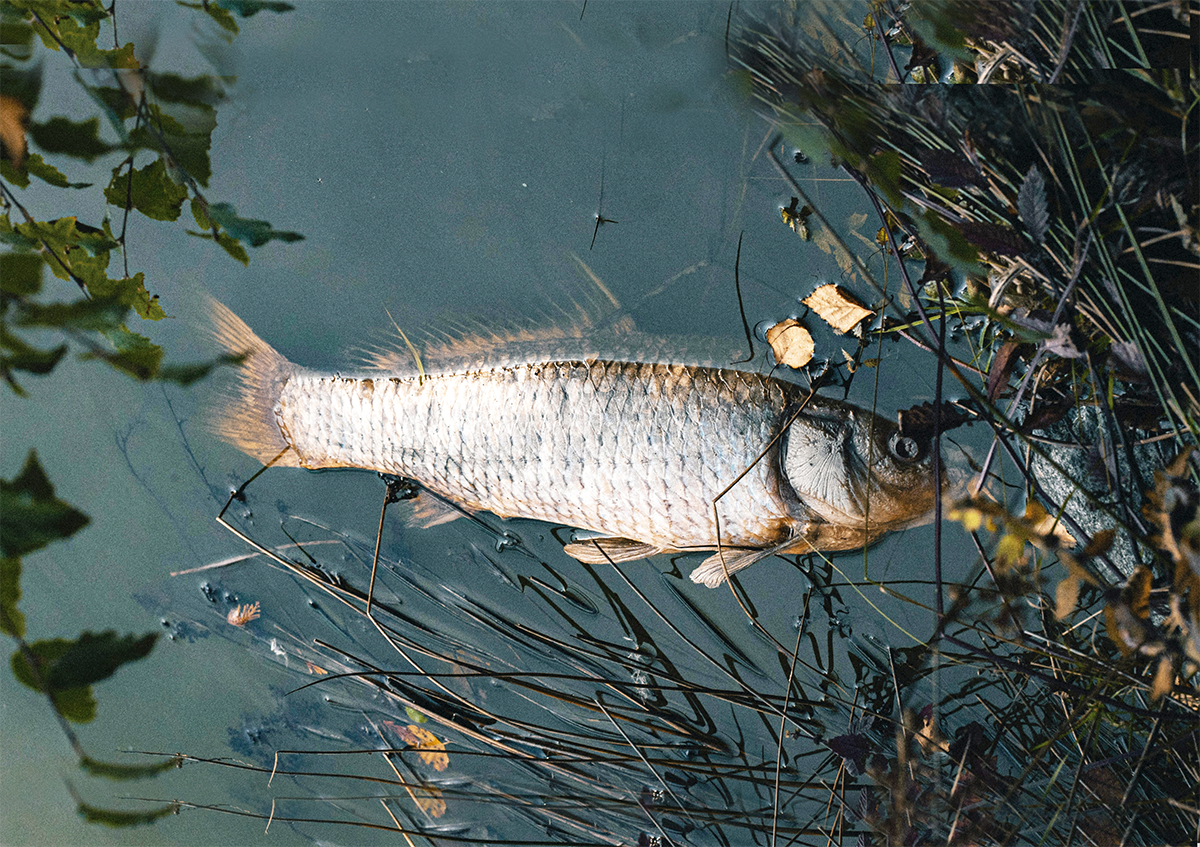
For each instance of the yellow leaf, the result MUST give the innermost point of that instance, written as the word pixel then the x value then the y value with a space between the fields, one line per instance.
pixel 791 343
pixel 837 307
pixel 1010 551
pixel 314 669
pixel 429 800
pixel 428 747
pixel 12 129
pixel 1067 595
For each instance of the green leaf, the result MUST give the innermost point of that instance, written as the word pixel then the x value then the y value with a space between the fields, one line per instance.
pixel 255 233
pixel 115 819
pixel 414 715
pixel 81 40
pixel 36 166
pixel 24 85
pixel 30 515
pixel 130 292
pixel 172 88
pixel 250 8
pixel 16 355
pixel 16 176
pixel 187 374
pixel 149 190
pixel 135 355
pixel 221 16
pixel 20 274
pixel 112 770
pixel 77 705
pixel 62 135
pixel 116 104
pixel 95 657
pixel 94 315
pixel 12 621
pixel 66 233
pixel 949 244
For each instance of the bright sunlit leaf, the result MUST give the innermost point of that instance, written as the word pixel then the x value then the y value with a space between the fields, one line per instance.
pixel 837 307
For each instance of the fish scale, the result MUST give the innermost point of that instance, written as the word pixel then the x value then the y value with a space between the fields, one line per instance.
pixel 621 448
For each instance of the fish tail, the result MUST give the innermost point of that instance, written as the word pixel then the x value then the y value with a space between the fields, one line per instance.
pixel 244 415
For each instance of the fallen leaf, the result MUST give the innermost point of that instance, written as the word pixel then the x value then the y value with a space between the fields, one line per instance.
pixel 1067 596
pixel 837 307
pixel 791 343
pixel 1164 678
pixel 12 129
pixel 429 800
pixel 428 747
pixel 315 669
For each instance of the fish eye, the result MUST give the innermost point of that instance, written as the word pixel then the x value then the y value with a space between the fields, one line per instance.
pixel 903 448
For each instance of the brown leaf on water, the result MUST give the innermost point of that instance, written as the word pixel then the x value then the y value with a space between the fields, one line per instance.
pixel 837 307
pixel 1001 368
pixel 315 669
pixel 791 343
pixel 429 800
pixel 12 129
pixel 428 747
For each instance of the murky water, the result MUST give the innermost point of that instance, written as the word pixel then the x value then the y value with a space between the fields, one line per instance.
pixel 449 159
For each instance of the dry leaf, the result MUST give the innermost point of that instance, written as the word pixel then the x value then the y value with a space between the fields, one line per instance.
pixel 1164 678
pixel 1067 596
pixel 1047 525
pixel 837 307
pixel 428 747
pixel 791 343
pixel 928 736
pixel 429 800
pixel 315 669
pixel 12 129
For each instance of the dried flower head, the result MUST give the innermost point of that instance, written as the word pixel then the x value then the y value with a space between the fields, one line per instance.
pixel 242 615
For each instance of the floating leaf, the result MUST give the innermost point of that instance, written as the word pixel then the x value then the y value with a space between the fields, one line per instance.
pixel 30 515
pixel 791 343
pixel 429 800
pixel 316 670
pixel 797 219
pixel 12 129
pixel 428 747
pixel 414 715
pixel 837 307
pixel 1031 205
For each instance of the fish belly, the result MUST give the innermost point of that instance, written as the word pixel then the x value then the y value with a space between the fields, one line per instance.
pixel 626 449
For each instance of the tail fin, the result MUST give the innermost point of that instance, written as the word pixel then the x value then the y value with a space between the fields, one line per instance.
pixel 244 416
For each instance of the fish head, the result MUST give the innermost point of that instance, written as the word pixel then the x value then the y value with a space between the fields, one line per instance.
pixel 854 469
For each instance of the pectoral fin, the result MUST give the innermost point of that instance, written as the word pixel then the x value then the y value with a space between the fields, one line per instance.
pixel 428 511
pixel 598 551
pixel 712 571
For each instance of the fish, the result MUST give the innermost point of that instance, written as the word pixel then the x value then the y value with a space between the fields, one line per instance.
pixel 640 453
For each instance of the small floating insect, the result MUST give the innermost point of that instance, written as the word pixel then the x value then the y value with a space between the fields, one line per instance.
pixel 643 455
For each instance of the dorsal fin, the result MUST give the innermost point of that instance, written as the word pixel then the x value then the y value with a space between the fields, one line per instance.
pixel 585 323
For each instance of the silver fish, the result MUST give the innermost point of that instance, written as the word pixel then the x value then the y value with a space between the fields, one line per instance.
pixel 635 452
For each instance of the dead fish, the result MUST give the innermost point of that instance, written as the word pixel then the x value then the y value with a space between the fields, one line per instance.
pixel 632 450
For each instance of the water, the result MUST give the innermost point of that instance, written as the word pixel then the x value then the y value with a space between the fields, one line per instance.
pixel 439 158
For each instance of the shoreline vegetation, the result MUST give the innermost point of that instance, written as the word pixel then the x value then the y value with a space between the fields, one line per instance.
pixel 1030 169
